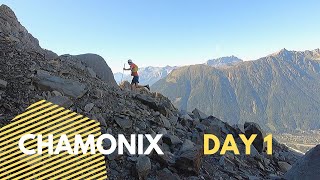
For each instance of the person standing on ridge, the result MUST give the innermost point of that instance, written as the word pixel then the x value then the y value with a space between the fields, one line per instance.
pixel 134 73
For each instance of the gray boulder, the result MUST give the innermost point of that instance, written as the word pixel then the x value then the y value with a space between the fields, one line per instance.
pixel 61 101
pixel 98 67
pixel 284 166
pixel 253 128
pixel 3 83
pixel 143 166
pixel 68 87
pixel 166 174
pixel 171 139
pixel 152 103
pixel 190 161
pixel 307 168
pixel 124 123
pixel 187 145
pixel 199 114
pixel 88 107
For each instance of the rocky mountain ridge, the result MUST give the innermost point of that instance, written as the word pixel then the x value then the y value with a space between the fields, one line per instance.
pixel 11 30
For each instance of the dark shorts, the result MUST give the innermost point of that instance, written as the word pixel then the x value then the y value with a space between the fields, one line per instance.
pixel 135 80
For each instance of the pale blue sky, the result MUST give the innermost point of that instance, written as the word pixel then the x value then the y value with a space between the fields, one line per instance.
pixel 170 32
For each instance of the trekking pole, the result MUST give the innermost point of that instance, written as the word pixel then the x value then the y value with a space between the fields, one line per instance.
pixel 124 65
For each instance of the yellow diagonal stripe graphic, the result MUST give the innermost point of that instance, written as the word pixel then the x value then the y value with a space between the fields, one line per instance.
pixel 44 118
pixel 47 125
pixel 18 122
pixel 36 104
pixel 82 172
pixel 91 172
pixel 29 159
pixel 93 168
pixel 31 121
pixel 100 175
pixel 31 126
pixel 33 146
pixel 54 142
pixel 32 110
pixel 74 166
pixel 45 165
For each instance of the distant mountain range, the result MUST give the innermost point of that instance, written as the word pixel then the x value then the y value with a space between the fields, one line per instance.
pixel 223 61
pixel 279 91
pixel 147 75
pixel 150 75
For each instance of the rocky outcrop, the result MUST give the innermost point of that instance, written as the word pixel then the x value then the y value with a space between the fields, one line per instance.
pixel 143 166
pixel 45 81
pixel 162 105
pixel 199 114
pixel 307 167
pixel 97 66
pixel 3 84
pixel 253 128
pixel 61 101
pixel 13 32
pixel 190 160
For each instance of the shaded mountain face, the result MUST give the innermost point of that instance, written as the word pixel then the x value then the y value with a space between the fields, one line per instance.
pixel 147 75
pixel 223 61
pixel 280 91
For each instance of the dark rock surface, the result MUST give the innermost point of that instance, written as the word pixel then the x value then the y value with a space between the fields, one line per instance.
pixel 308 167
pixel 253 128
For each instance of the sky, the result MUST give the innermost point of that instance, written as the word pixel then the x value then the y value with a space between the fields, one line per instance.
pixel 170 32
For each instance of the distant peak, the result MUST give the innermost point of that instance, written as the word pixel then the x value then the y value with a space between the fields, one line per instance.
pixel 316 53
pixel 226 58
pixel 287 55
pixel 223 61
pixel 282 52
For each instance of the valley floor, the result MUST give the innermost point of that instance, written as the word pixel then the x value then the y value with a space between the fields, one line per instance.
pixel 301 141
